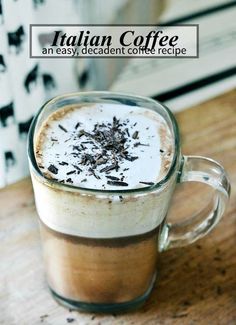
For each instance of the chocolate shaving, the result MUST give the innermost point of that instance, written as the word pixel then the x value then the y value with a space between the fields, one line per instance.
pixel 69 180
pixel 84 180
pixel 127 131
pixel 53 169
pixel 108 168
pixel 83 147
pixel 90 142
pixel 113 178
pixel 62 128
pixel 135 135
pixel 94 174
pixel 77 125
pixel 71 172
pixel 137 144
pixel 63 163
pixel 131 158
pixel 161 150
pixel 76 148
pixel 115 121
pixel 147 183
pixel 117 183
pixel 81 133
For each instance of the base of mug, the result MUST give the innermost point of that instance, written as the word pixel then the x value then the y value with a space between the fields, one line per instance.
pixel 104 308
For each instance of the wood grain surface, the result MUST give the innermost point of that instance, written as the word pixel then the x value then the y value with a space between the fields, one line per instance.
pixel 196 284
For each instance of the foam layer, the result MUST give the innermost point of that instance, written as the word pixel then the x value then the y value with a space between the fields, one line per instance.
pixel 105 146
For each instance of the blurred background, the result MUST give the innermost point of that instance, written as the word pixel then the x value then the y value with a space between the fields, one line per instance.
pixel 25 84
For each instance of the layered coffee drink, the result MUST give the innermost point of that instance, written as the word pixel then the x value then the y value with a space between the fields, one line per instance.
pixel 101 211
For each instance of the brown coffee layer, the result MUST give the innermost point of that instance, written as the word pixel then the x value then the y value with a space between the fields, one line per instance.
pixel 95 271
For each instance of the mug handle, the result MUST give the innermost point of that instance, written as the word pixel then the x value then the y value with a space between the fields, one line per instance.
pixel 207 171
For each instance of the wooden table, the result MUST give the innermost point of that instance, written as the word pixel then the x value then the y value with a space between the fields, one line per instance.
pixel 196 285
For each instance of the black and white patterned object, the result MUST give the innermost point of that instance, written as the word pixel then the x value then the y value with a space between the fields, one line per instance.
pixel 31 78
pixel 6 114
pixel 25 84
pixel 2 64
pixel 16 39
pixel 1 16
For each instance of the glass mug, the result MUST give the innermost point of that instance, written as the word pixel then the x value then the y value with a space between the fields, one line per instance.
pixel 109 263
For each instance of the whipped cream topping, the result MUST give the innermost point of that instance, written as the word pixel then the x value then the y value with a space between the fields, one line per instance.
pixel 105 146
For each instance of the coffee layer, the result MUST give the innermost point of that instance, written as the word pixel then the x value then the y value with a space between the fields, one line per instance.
pixel 90 272
pixel 105 146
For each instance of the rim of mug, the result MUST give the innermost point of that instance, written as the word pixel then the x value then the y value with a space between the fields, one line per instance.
pixel 71 188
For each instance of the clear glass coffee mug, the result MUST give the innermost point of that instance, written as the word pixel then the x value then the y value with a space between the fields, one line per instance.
pixel 101 247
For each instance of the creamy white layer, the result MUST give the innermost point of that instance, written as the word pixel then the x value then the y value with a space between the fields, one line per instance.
pixel 93 216
pixel 105 146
